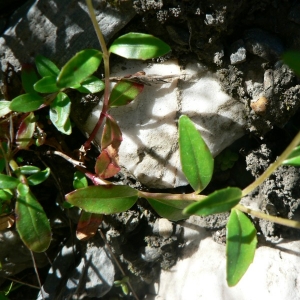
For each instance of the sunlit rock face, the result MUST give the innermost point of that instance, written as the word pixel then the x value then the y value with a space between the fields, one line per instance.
pixel 149 124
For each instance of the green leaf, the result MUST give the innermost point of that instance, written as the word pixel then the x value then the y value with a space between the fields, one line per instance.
pixel 196 159
pixel 46 67
pixel 79 67
pixel 169 209
pixel 46 85
pixel 139 46
pixel 66 128
pixel 60 109
pixel 108 199
pixel 292 59
pixel 124 92
pixel 217 202
pixel 26 102
pixel 25 131
pixel 91 85
pixel 28 170
pixel 294 158
pixel 79 180
pixel 5 194
pixel 23 189
pixel 29 78
pixel 4 108
pixel 32 223
pixel 241 243
pixel 38 177
pixel 8 182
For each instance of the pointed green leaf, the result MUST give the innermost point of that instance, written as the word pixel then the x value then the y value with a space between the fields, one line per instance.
pixel 108 199
pixel 8 182
pixel 5 195
pixel 23 189
pixel 111 134
pixel 241 243
pixel 25 131
pixel 294 158
pixel 79 67
pixel 26 103
pixel 79 180
pixel 4 108
pixel 196 159
pixel 139 46
pixel 91 85
pixel 46 85
pixel 32 223
pixel 29 78
pixel 217 202
pixel 124 92
pixel 38 177
pixel 169 209
pixel 46 67
pixel 292 59
pixel 60 109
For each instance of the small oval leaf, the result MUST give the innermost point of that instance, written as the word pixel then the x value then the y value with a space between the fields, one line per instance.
pixel 91 85
pixel 139 46
pixel 79 67
pixel 217 202
pixel 241 243
pixel 109 199
pixel 46 67
pixel 46 85
pixel 26 102
pixel 32 223
pixel 25 131
pixel 169 209
pixel 38 177
pixel 60 109
pixel 196 159
pixel 124 92
pixel 79 180
pixel 28 170
pixel 8 182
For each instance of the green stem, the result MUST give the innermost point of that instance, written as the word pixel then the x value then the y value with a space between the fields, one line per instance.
pixel 178 197
pixel 271 169
pixel 274 219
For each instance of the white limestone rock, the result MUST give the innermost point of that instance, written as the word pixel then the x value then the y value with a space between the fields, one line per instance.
pixel 201 272
pixel 149 124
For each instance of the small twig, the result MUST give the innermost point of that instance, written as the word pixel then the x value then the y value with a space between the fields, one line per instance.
pixel 74 162
pixel 37 274
pixel 118 264
pixel 21 282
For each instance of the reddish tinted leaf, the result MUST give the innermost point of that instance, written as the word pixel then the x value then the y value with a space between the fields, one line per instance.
pixel 107 163
pixel 111 134
pixel 124 92
pixel 25 131
pixel 88 225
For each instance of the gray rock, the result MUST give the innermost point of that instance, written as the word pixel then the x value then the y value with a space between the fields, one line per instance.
pixel 57 30
pixel 263 44
pixel 238 52
pixel 165 228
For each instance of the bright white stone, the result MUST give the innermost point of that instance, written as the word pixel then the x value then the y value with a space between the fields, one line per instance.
pixel 201 273
pixel 149 124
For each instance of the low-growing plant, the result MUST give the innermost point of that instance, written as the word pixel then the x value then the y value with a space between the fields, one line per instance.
pixel 103 197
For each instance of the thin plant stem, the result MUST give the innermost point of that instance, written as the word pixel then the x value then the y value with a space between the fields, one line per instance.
pixel 87 144
pixel 37 273
pixel 118 264
pixel 274 219
pixel 22 282
pixel 177 197
pixel 271 169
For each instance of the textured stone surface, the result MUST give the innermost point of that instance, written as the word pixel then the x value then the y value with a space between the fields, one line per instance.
pixel 201 274
pixel 149 124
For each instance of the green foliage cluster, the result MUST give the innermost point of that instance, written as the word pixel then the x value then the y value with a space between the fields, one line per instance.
pixel 51 90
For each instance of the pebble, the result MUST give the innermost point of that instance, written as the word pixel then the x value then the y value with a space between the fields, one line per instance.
pixel 238 52
pixel 165 228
